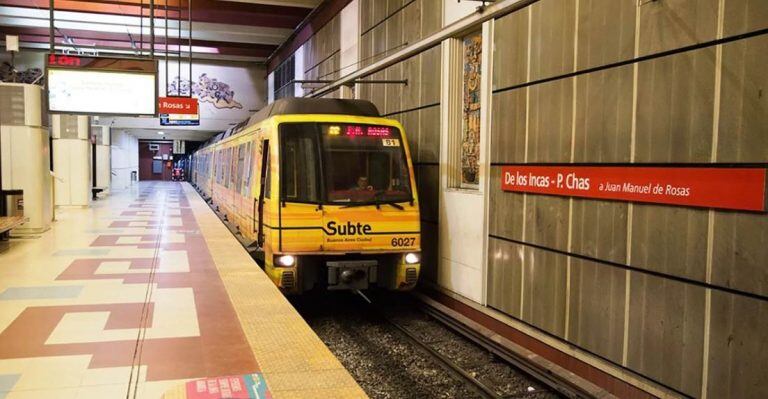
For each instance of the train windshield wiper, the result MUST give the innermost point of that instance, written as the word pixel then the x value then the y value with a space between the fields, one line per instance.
pixel 394 204
pixel 377 202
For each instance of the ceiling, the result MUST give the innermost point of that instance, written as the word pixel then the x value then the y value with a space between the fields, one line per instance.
pixel 176 134
pixel 230 30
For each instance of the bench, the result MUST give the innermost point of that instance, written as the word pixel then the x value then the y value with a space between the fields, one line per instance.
pixel 8 223
pixel 95 192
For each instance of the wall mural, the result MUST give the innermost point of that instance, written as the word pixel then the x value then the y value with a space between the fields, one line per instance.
pixel 470 140
pixel 206 90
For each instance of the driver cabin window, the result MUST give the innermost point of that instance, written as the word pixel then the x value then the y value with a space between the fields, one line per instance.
pixel 299 173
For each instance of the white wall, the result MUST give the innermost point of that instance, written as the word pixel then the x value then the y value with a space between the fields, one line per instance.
pixel 125 159
pixel 248 81
pixel 349 42
pixel 454 10
pixel 463 219
pixel 270 88
pixel 298 69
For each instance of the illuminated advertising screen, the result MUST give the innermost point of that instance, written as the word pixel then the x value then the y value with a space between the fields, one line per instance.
pixel 111 86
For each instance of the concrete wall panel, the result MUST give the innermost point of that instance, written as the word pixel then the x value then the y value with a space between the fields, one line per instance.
pixel 553 25
pixel 675 103
pixel 506 218
pixel 431 16
pixel 606 32
pixel 545 217
pixel 508 126
pixel 603 130
pixel 740 252
pixel 741 16
pixel 430 76
pixel 743 128
pixel 597 298
pixel 505 268
pixel 429 134
pixel 672 240
pixel 669 24
pixel 544 282
pixel 510 57
pixel 666 331
pixel 599 229
pixel 738 350
pixel 549 121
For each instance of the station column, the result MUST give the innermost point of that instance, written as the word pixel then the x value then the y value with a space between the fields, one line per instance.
pixel 71 160
pixel 102 168
pixel 25 156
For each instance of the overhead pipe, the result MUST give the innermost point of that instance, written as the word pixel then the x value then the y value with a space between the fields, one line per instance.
pixel 483 14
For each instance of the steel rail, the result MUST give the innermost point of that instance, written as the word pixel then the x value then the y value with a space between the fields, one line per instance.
pixel 442 360
pixel 545 376
pixel 483 14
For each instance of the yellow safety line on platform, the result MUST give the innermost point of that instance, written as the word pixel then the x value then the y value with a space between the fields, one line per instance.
pixel 293 360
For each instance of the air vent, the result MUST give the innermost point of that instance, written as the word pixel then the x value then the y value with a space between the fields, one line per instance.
pixel 411 275
pixel 12 105
pixel 68 126
pixel 288 281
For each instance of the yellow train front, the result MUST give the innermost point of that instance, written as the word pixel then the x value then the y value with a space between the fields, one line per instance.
pixel 325 191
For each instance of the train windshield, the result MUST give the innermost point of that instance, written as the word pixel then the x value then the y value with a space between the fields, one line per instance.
pixel 360 163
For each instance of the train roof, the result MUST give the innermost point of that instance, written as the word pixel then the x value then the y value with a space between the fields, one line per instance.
pixel 301 106
pixel 305 106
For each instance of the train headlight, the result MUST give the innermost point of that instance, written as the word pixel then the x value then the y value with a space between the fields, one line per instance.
pixel 286 260
pixel 411 258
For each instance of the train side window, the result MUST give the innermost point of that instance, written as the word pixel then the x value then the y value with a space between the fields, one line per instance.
pixel 230 166
pixel 217 165
pixel 234 178
pixel 299 178
pixel 223 166
pixel 240 168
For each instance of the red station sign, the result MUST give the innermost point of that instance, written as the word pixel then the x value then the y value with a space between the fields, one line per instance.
pixel 179 111
pixel 724 188
pixel 177 105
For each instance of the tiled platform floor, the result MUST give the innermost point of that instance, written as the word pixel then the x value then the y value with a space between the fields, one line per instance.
pixel 141 294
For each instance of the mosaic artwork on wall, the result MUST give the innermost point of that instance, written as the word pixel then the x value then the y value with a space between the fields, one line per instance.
pixel 206 90
pixel 470 138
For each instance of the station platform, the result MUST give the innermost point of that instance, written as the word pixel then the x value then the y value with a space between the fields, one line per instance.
pixel 146 294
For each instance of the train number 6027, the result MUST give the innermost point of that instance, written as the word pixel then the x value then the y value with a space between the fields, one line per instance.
pixel 403 241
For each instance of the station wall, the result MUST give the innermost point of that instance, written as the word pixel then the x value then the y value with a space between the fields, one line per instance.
pixel 672 299
pixel 673 293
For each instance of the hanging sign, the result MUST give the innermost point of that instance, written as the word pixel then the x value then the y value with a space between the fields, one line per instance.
pixel 178 111
pixel 724 188
pixel 101 85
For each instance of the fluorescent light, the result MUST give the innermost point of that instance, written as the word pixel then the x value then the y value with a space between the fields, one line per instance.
pixel 160 133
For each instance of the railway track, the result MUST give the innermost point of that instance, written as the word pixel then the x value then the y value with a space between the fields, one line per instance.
pixel 394 349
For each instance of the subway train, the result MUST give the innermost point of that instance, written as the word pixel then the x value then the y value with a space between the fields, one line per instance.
pixel 322 192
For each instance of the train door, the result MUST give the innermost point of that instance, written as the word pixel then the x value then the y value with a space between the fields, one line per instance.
pixel 264 182
pixel 301 212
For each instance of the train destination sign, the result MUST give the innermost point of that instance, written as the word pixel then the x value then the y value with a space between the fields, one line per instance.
pixel 723 188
